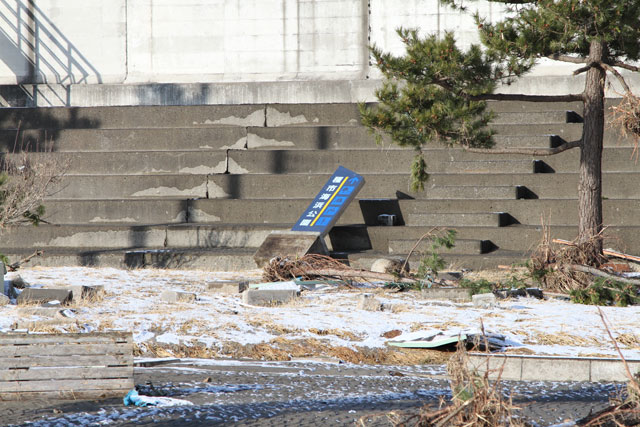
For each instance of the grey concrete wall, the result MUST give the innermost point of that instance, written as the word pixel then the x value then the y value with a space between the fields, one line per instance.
pixel 120 52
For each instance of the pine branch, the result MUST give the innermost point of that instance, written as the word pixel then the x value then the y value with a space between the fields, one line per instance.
pixel 531 151
pixel 625 66
pixel 618 76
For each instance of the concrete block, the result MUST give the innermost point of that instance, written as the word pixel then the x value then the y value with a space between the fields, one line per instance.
pixel 447 294
pixel 369 303
pixel 558 369
pixel 175 296
pixel 612 370
pixel 269 297
pixel 228 287
pixel 43 295
pixel 508 368
pixel 484 300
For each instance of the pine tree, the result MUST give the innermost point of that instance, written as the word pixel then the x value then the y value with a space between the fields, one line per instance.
pixel 438 92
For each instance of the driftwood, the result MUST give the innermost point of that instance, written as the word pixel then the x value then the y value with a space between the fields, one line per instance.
pixel 600 273
pixel 18 264
pixel 358 273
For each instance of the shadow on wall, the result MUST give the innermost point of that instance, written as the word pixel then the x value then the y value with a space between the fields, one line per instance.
pixel 38 53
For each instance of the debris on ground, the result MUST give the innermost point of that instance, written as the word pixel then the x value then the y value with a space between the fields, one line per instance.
pixel 448 340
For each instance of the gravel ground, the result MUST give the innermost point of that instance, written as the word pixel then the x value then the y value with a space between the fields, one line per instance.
pixel 295 393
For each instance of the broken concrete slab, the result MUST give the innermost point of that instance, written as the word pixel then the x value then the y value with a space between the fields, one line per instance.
pixel 176 296
pixel 269 297
pixel 289 243
pixel 484 300
pixel 369 303
pixel 44 295
pixel 288 285
pixel 446 294
pixel 228 287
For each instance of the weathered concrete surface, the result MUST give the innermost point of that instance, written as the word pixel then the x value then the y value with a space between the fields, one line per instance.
pixel 446 294
pixel 293 244
pixel 550 368
pixel 176 296
pixel 269 297
pixel 228 287
pixel 42 295
pixel 487 300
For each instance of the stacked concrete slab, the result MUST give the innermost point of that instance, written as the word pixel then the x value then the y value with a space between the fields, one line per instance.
pixel 201 186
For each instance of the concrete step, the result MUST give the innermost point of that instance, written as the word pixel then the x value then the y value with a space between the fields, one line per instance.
pixel 462 246
pixel 616 185
pixel 447 212
pixel 363 161
pixel 115 236
pixel 525 107
pixel 365 259
pixel 527 117
pixel 455 219
pixel 140 162
pixel 520 238
pixel 212 259
pixel 566 131
pixel 132 139
pixel 180 116
pixel 81 187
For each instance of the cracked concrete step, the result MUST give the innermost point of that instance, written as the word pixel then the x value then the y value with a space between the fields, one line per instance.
pixel 251 186
pixel 455 219
pixel 140 162
pixel 446 212
pixel 462 246
pixel 121 117
pixel 525 107
pixel 559 185
pixel 133 186
pixel 132 139
pixel 211 259
pixel 116 236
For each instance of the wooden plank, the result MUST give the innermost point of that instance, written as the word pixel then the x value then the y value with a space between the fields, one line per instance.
pixel 61 373
pixel 75 385
pixel 66 394
pixel 90 360
pixel 96 337
pixel 67 350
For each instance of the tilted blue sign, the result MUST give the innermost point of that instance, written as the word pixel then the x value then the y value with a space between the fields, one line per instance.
pixel 330 202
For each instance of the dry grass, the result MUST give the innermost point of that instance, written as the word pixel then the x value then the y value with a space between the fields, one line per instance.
pixel 629 340
pixel 282 349
pixel 30 180
pixel 476 401
pixel 543 338
pixel 345 335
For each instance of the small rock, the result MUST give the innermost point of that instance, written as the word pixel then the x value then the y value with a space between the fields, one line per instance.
pixel 484 300
pixel 19 282
pixel 392 333
pixel 369 302
pixel 389 265
pixel 175 296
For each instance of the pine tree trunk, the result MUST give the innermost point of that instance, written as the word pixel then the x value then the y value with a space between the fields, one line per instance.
pixel 590 184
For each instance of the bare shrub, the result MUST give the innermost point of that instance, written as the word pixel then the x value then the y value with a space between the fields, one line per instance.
pixel 25 180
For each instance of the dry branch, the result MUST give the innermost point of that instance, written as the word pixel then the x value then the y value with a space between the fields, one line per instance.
pixel 608 252
pixel 600 273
